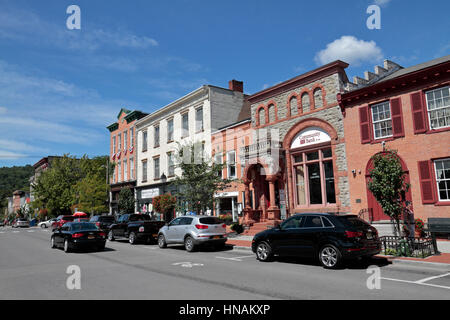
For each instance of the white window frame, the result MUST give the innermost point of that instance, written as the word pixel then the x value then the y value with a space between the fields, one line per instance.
pixel 170 163
pixel 199 122
pixel 156 136
pixel 125 138
pixel 440 180
pixel 119 171
pixel 234 163
pixel 381 121
pixel 436 109
pixel 185 132
pixel 114 144
pixel 144 140
pixel 170 132
pixel 131 168
pixel 144 170
pixel 219 156
pixel 125 170
pixel 156 176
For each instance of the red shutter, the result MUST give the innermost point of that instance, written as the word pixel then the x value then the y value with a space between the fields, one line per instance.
pixel 364 124
pixel 397 118
pixel 418 112
pixel 426 181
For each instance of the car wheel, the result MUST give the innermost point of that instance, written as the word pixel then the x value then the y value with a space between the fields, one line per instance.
pixel 110 235
pixel 189 244
pixel 53 244
pixel 66 246
pixel 132 239
pixel 330 256
pixel 264 252
pixel 162 241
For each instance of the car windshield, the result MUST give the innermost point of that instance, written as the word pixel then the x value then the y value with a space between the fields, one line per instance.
pixel 82 226
pixel 139 217
pixel 210 220
pixel 353 221
pixel 68 218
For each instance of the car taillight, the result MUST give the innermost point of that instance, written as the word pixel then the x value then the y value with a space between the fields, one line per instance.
pixel 353 234
pixel 224 225
pixel 201 226
pixel 77 235
pixel 102 234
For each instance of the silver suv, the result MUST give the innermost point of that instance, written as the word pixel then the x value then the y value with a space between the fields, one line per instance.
pixel 193 231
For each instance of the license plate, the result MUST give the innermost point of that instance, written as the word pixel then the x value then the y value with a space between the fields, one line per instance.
pixel 216 237
pixel 91 237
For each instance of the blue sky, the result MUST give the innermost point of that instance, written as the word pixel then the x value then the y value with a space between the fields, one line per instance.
pixel 60 88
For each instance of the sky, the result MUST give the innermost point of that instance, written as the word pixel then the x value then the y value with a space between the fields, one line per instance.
pixel 60 88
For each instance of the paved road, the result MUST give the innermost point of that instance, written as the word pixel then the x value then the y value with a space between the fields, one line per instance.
pixel 30 269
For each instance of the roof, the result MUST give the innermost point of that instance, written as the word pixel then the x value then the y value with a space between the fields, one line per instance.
pixel 245 112
pixel 417 67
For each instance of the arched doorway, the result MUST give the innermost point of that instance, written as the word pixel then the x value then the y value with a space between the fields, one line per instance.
pixel 261 196
pixel 375 209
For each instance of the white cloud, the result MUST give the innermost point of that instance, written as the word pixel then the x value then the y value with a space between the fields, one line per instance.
pixel 350 50
pixel 381 2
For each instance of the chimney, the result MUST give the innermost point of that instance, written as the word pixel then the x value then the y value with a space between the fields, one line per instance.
pixel 235 85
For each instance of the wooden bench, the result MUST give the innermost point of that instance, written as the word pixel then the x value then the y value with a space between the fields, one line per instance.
pixel 438 225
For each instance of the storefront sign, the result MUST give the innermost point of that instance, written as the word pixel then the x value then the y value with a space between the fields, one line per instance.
pixel 149 193
pixel 309 137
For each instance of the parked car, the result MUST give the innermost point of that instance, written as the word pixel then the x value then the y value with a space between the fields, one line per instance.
pixel 74 235
pixel 327 237
pixel 46 224
pixel 21 223
pixel 135 227
pixel 81 220
pixel 193 231
pixel 103 222
pixel 61 220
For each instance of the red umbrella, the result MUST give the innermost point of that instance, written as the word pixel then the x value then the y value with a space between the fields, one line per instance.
pixel 80 214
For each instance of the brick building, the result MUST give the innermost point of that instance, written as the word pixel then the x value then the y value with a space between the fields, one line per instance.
pixel 407 110
pixel 297 159
pixel 122 153
pixel 226 144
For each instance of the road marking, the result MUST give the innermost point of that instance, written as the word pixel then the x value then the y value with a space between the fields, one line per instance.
pixel 431 278
pixel 417 283
pixel 187 264
pixel 15 231
pixel 235 258
pixel 30 231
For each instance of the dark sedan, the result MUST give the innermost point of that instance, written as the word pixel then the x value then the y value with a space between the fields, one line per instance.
pixel 327 237
pixel 74 235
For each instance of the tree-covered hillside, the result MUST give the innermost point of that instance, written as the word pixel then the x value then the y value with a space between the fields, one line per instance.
pixel 14 178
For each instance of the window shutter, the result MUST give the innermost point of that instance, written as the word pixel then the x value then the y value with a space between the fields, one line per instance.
pixel 418 112
pixel 426 181
pixel 397 118
pixel 364 123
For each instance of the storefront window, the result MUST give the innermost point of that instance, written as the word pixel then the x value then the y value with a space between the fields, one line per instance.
pixel 314 177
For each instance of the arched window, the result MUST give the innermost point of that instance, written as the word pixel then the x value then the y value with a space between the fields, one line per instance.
pixel 272 113
pixel 306 102
pixel 261 114
pixel 318 99
pixel 294 106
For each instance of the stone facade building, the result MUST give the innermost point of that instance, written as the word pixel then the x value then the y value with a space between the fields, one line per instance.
pixel 297 161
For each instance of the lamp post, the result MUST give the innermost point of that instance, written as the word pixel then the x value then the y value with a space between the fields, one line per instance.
pixel 163 180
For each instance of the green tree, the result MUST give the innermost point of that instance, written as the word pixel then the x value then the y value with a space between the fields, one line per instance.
pixel 200 178
pixel 126 201
pixel 388 185
pixel 165 204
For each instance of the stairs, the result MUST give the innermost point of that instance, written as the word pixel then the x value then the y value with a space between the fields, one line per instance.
pixel 257 227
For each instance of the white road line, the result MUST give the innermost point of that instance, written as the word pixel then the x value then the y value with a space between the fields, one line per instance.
pixel 431 278
pixel 417 283
pixel 15 231
pixel 30 231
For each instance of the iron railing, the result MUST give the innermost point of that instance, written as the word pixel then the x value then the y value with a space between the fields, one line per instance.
pixel 408 247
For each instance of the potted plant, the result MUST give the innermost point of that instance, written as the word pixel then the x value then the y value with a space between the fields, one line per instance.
pixel 419 225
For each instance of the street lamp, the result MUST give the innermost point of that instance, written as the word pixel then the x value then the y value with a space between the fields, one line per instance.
pixel 163 180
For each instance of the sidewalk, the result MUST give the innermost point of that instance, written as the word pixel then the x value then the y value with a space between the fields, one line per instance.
pixel 245 242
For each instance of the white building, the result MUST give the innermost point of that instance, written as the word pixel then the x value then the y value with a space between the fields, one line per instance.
pixel 191 118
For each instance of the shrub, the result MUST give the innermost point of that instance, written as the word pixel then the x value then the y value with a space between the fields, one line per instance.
pixel 238 228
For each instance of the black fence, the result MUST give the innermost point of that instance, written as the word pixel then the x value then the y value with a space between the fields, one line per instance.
pixel 408 247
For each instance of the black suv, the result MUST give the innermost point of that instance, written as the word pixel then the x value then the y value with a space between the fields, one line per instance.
pixel 330 238
pixel 103 222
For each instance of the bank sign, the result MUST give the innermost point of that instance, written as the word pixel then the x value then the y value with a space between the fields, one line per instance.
pixel 310 136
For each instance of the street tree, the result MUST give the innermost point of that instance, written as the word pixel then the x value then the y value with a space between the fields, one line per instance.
pixel 387 182
pixel 200 178
pixel 126 201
